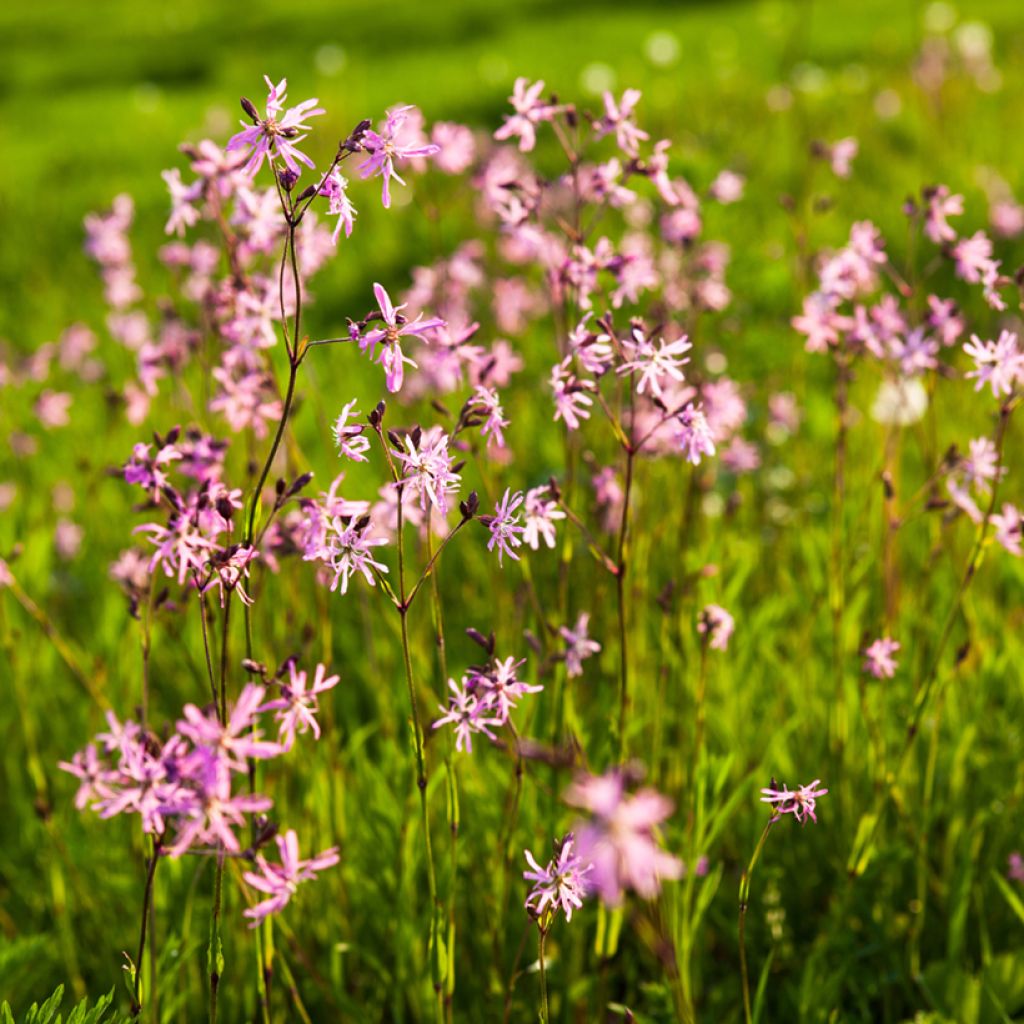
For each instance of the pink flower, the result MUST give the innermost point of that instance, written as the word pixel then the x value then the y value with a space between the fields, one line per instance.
pixel 541 512
pixel 1015 871
pixel 183 213
pixel 530 110
pixel 693 435
pixel 280 881
pixel 840 156
pixel 654 364
pixel 619 839
pixel 498 689
pixel 297 706
pixel 275 134
pixel 999 364
pixel 456 147
pixel 717 625
pixel 727 187
pixel 235 741
pixel 427 468
pixel 578 645
pixel 466 713
pixel 384 148
pixel 879 660
pixel 618 118
pixel 559 886
pixel 1008 525
pixel 800 804
pixel 334 189
pixel 504 525
pixel 349 438
pixel 389 336
pixel 52 409
pixel 941 204
pixel 572 402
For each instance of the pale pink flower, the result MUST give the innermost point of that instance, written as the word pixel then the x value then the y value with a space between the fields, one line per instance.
pixel 297 706
pixel 800 804
pixel 717 625
pixel 1009 525
pixel 561 884
pixel 578 645
pixel 619 838
pixel 878 658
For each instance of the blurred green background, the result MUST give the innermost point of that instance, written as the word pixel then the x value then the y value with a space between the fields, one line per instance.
pixel 94 100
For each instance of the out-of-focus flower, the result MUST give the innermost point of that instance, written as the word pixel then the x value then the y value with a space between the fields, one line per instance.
pixel 578 645
pixel 717 625
pixel 530 110
pixel 840 156
pixel 619 838
pixel 878 658
pixel 280 881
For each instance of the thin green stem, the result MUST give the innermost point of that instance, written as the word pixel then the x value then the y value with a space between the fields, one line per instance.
pixel 744 899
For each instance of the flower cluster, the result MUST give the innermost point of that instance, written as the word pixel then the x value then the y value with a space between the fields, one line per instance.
pixel 485 697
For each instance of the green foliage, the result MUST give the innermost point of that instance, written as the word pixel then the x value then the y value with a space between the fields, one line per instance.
pixel 50 1012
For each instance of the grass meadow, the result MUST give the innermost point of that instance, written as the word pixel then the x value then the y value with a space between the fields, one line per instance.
pixel 847 498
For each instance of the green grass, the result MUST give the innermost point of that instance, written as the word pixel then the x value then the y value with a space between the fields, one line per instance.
pixel 94 100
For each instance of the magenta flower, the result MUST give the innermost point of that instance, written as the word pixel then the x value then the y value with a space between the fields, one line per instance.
pixel 879 660
pixel 559 886
pixel 717 625
pixel 800 804
pixel 234 741
pixel 619 839
pixel 395 328
pixel 504 525
pixel 578 645
pixel 384 148
pixel 280 881
pixel 1015 871
pixel 297 706
pixel 275 135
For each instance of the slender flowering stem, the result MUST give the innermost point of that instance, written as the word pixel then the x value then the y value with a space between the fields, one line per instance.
pixel 421 764
pixel 620 592
pixel 744 899
pixel 545 1011
pixel 147 898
